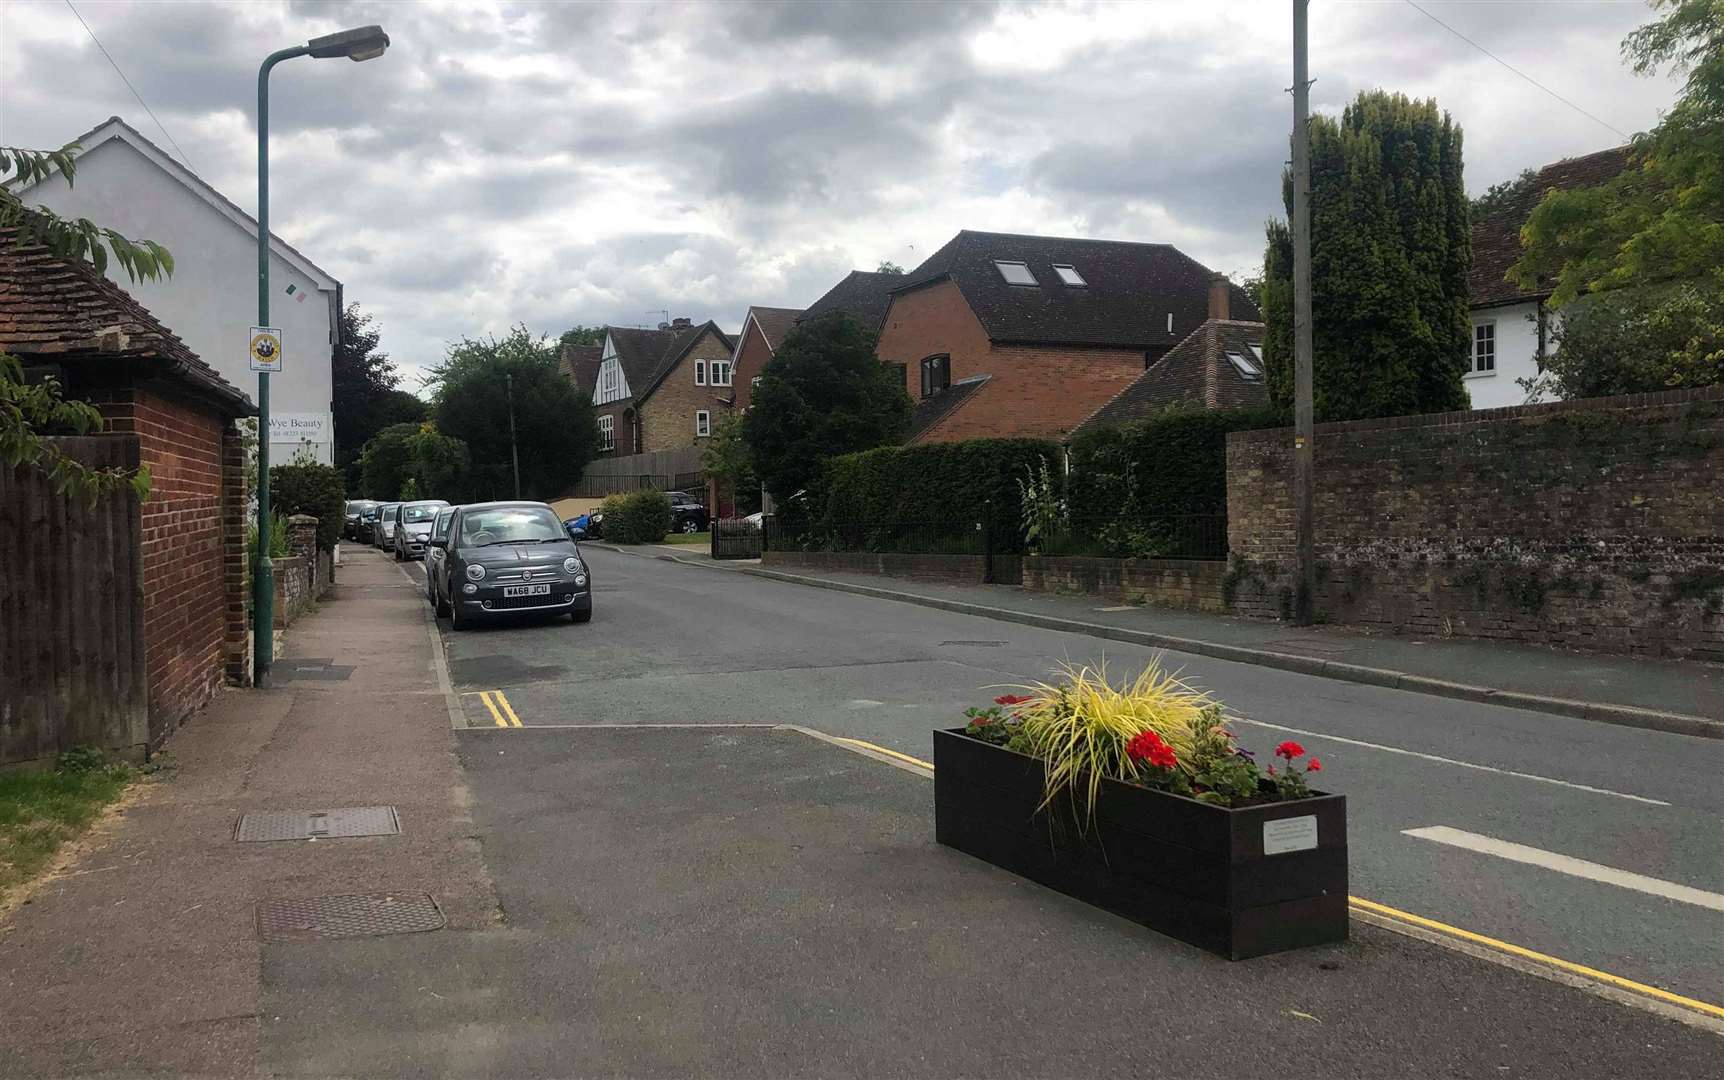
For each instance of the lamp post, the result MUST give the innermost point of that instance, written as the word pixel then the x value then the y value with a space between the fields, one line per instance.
pixel 362 43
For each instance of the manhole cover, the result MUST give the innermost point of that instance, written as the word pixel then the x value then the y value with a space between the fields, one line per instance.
pixel 322 918
pixel 976 644
pixel 318 824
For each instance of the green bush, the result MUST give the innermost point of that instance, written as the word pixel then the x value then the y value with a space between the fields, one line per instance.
pixel 1138 475
pixel 639 517
pixel 310 488
pixel 934 482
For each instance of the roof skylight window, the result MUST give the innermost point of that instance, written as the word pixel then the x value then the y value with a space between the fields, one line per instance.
pixel 1247 367
pixel 1069 274
pixel 1015 273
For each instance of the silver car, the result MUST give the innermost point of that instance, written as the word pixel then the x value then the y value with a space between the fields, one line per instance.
pixel 413 523
pixel 383 533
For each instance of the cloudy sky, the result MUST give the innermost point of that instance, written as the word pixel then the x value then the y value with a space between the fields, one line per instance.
pixel 561 163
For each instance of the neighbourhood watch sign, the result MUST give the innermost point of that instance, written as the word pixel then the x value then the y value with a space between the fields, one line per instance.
pixel 265 348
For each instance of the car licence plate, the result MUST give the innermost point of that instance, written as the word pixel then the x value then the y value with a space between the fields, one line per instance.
pixel 526 590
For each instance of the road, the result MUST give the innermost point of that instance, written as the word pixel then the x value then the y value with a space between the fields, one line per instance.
pixel 1599 845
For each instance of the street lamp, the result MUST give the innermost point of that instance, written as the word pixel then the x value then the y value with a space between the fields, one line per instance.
pixel 361 43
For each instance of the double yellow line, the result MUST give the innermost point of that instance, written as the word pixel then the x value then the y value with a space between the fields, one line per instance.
pixel 500 709
pixel 1386 914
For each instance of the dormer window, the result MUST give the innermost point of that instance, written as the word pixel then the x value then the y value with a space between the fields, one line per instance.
pixel 936 374
pixel 1246 366
pixel 1015 273
pixel 1069 274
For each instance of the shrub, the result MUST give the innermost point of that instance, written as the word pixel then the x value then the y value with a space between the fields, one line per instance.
pixel 639 517
pixel 1141 474
pixel 935 482
pixel 310 488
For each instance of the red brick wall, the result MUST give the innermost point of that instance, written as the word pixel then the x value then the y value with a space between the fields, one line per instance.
pixel 1033 390
pixel 623 415
pixel 750 361
pixel 185 551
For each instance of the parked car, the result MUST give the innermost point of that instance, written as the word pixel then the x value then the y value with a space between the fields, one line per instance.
pixel 367 523
pixel 504 558
pixel 383 533
pixel 413 527
pixel 435 553
pixel 595 526
pixel 354 518
pixel 687 517
pixel 577 526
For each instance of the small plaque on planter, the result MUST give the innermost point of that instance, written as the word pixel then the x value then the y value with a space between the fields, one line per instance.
pixel 1289 834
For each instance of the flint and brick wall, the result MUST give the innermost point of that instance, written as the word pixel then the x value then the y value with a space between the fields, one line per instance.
pixel 955 569
pixel 1032 390
pixel 1596 524
pixel 186 547
pixel 1188 584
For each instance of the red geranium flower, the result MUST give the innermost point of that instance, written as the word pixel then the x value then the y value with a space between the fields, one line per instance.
pixel 1289 750
pixel 1012 699
pixel 1147 746
pixel 1314 766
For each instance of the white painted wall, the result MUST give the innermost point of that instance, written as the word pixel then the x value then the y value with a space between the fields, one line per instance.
pixel 211 299
pixel 1517 355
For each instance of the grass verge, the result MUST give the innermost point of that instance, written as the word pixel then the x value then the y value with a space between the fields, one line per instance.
pixel 689 538
pixel 41 811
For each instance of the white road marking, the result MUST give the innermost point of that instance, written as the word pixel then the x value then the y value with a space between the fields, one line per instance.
pixel 1566 864
pixel 1450 761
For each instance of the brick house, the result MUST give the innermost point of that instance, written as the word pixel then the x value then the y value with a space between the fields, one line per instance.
pixel 62 318
pixel 763 328
pixel 658 389
pixel 1036 333
pixel 1219 365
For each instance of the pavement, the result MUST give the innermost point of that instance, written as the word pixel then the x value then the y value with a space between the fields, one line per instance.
pixel 1686 697
pixel 722 897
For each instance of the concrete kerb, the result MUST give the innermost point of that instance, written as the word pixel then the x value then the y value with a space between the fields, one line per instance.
pixel 1604 713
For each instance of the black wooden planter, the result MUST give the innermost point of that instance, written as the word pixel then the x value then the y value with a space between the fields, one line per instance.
pixel 1239 882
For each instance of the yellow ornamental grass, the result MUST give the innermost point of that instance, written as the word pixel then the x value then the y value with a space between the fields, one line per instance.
pixel 1080 725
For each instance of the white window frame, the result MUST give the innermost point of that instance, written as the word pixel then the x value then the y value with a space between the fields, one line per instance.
pixel 1474 371
pixel 610 377
pixel 702 424
pixel 715 368
pixel 700 373
pixel 607 433
pixel 1068 274
pixel 1001 264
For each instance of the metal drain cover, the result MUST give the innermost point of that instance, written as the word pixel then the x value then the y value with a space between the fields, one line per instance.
pixel 323 918
pixel 318 824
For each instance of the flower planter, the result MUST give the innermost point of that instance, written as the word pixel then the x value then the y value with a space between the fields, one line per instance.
pixel 1240 882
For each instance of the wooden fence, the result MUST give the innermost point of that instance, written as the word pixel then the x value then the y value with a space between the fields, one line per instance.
pixel 660 470
pixel 72 669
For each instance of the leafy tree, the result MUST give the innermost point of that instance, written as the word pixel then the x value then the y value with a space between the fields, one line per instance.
pixel 822 394
pixel 582 335
pixel 556 432
pixel 32 410
pixel 887 266
pixel 440 463
pixel 1662 219
pixel 726 456
pixel 1390 248
pixel 1504 194
pixel 387 462
pixel 1631 341
pixel 364 384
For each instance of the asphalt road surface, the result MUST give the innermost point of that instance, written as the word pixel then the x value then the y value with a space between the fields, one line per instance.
pixel 1596 844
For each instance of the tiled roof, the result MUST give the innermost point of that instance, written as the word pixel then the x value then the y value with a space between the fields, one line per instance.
pixel 937 406
pixel 774 322
pixel 1129 289
pixel 580 365
pixel 63 310
pixel 647 356
pixel 1196 372
pixel 862 294
pixel 1496 238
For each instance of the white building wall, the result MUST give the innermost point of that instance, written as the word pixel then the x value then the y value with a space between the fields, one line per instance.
pixel 211 299
pixel 1517 355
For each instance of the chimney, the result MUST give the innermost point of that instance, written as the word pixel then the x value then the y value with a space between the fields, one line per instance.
pixel 679 323
pixel 1220 297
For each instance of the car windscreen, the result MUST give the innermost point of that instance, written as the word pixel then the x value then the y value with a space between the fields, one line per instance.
pixel 519 524
pixel 419 513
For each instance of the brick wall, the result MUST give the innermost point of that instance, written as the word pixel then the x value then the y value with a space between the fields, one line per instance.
pixel 1596 524
pixel 622 414
pixel 667 416
pixel 751 359
pixel 960 569
pixel 1190 584
pixel 236 501
pixel 1033 390
pixel 186 549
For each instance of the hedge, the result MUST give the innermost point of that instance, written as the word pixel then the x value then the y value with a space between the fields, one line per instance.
pixel 1173 464
pixel 318 490
pixel 640 517
pixel 934 482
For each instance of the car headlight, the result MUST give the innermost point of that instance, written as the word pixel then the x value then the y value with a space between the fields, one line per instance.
pixel 580 581
pixel 571 565
pixel 475 572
